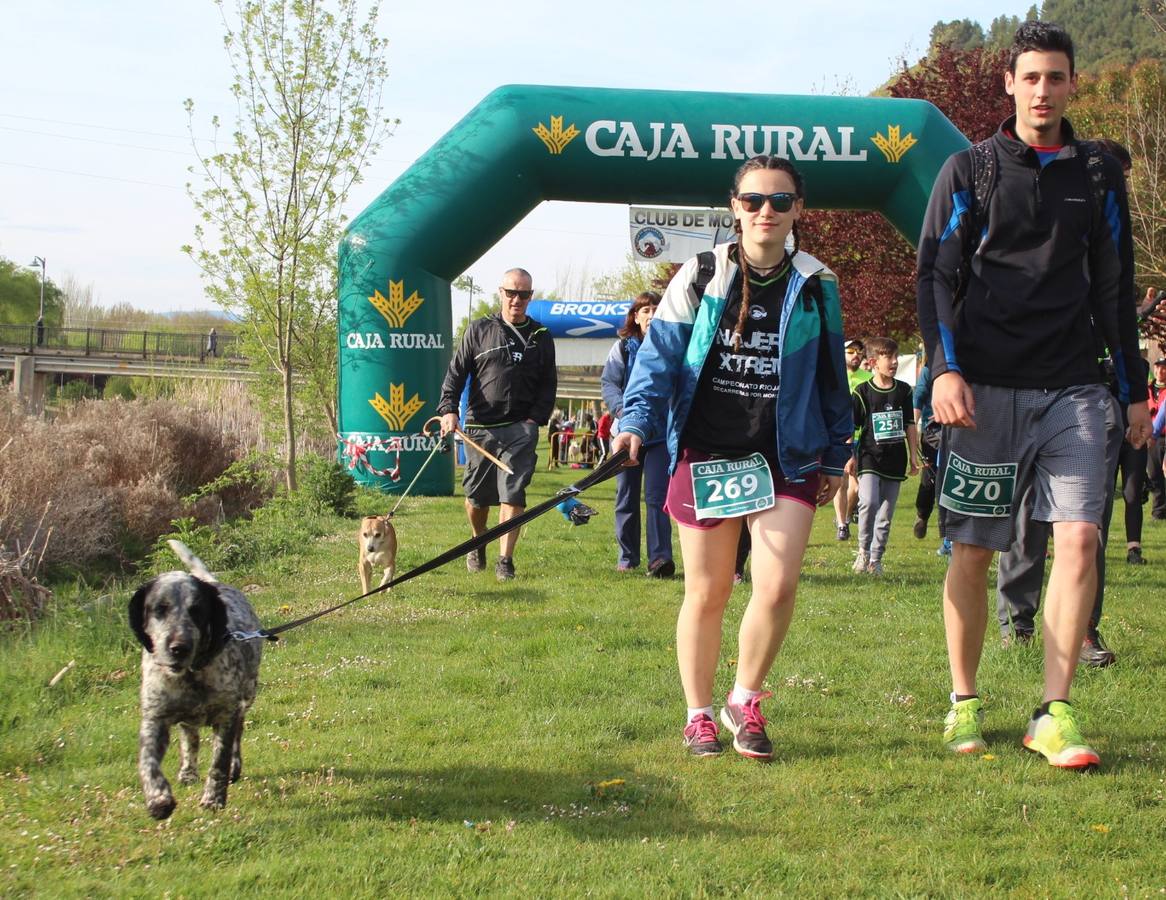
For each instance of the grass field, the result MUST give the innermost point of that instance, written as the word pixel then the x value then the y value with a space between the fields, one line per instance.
pixel 462 737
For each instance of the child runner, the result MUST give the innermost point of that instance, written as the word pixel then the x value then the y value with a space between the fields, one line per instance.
pixel 887 447
pixel 742 452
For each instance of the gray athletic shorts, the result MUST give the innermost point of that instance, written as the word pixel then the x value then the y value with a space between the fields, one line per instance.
pixel 1054 439
pixel 487 485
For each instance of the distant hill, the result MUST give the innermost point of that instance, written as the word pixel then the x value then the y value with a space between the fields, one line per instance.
pixel 1107 33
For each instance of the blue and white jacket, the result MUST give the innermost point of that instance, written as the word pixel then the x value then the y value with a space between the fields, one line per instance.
pixel 814 421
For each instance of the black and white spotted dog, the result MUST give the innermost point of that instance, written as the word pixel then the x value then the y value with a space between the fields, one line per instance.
pixel 193 674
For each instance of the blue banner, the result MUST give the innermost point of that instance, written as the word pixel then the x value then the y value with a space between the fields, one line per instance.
pixel 580 318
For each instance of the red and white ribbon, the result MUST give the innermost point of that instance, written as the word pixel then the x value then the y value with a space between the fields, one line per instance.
pixel 356 453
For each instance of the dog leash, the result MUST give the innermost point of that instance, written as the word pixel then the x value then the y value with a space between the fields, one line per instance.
pixel 438 447
pixel 608 469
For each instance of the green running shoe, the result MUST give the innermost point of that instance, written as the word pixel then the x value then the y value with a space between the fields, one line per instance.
pixel 1056 736
pixel 962 729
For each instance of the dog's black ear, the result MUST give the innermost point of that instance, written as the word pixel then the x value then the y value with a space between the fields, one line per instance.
pixel 137 613
pixel 212 625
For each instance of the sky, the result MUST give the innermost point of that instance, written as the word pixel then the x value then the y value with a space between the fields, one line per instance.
pixel 95 143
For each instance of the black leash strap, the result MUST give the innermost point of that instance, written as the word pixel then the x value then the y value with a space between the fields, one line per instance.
pixel 608 469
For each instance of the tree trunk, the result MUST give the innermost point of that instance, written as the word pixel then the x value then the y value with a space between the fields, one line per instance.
pixel 289 427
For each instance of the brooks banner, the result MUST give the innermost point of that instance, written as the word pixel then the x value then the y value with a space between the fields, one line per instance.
pixel 580 318
pixel 660 234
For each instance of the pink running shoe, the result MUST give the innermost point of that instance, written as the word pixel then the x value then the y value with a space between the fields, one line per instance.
pixel 700 737
pixel 748 727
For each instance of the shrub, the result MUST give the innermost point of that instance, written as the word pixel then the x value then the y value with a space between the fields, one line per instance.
pixel 119 387
pixel 327 486
pixel 282 527
pixel 73 392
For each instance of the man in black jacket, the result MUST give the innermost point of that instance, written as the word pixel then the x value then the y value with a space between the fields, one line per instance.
pixel 509 360
pixel 1012 300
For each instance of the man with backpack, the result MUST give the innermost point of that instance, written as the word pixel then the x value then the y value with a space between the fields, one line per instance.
pixel 1020 281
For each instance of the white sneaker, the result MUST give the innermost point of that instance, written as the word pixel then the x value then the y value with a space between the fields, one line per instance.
pixel 860 562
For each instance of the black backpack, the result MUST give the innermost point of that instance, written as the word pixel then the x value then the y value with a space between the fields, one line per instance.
pixel 984 165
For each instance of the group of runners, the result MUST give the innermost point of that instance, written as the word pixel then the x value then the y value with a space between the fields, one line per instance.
pixel 740 392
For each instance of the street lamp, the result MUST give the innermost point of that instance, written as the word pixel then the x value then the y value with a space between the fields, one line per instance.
pixel 38 262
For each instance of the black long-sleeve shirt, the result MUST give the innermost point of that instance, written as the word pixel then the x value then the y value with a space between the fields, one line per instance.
pixel 1050 276
pixel 511 370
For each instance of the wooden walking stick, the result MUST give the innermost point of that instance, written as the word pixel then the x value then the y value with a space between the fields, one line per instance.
pixel 469 440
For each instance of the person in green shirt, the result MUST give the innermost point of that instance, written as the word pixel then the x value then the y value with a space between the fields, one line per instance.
pixel 846 500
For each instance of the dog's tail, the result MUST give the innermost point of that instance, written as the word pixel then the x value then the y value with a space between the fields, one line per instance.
pixel 195 565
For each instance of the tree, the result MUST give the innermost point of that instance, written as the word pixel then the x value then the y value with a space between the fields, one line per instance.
pixel 474 289
pixel 482 308
pixel 20 296
pixel 632 279
pixel 307 82
pixel 1107 33
pixel 1155 11
pixel 1000 32
pixel 1128 105
pixel 874 263
pixel 959 34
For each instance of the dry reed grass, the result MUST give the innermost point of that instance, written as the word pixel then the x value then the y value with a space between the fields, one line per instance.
pixel 233 408
pixel 102 475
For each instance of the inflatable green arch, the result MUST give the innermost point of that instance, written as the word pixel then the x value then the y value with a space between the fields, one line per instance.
pixel 524 144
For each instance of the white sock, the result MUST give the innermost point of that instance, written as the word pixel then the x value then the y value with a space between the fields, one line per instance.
pixel 740 696
pixel 694 711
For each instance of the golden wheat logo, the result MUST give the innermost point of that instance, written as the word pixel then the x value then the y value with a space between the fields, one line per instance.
pixel 892 146
pixel 397 308
pixel 556 139
pixel 396 411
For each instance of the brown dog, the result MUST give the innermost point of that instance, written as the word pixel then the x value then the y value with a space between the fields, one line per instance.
pixel 378 549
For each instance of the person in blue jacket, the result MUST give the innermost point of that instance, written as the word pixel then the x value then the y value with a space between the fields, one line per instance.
pixel 652 473
pixel 748 387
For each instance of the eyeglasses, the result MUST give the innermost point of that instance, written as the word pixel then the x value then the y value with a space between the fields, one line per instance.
pixel 511 293
pixel 782 202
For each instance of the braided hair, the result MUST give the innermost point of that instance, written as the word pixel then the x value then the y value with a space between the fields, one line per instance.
pixel 780 164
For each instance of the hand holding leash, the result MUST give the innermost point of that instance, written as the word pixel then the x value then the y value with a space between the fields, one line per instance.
pixel 449 425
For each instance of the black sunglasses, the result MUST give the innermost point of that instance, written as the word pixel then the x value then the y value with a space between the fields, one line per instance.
pixel 511 293
pixel 782 202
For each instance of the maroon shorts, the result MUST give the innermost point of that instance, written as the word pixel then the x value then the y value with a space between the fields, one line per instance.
pixel 681 505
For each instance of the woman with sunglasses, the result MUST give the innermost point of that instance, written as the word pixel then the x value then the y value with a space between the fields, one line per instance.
pixel 653 469
pixel 748 387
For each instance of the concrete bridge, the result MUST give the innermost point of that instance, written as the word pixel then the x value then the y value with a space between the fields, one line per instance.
pixel 32 354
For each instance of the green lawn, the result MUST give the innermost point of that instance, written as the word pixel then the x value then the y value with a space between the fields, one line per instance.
pixel 463 737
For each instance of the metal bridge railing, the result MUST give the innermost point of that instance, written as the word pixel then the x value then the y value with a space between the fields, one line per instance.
pixel 120 343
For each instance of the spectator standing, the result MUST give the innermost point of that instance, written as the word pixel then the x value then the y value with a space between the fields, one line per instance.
pixel 603 434
pixel 651 476
pixel 846 500
pixel 929 432
pixel 510 361
pixel 554 435
pixel 1154 463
